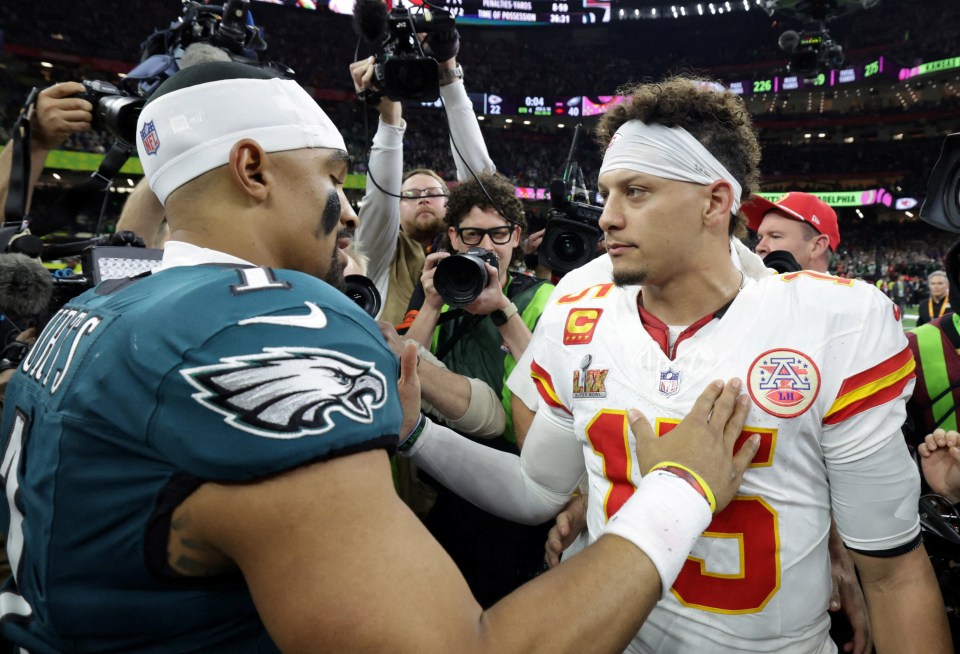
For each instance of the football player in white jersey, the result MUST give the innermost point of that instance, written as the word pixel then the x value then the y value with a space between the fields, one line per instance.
pixel 824 361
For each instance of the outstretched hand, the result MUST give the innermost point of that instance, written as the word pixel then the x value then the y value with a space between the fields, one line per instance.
pixel 408 388
pixel 704 440
pixel 940 460
pixel 570 522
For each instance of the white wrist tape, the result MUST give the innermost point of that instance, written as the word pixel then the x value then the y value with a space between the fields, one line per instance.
pixel 664 518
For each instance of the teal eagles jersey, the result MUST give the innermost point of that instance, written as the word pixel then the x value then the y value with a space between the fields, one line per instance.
pixel 138 392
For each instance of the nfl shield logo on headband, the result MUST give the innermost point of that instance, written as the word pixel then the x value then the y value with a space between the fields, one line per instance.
pixel 148 135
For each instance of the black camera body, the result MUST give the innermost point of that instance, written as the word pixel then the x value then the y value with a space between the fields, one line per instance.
pixel 114 110
pixel 402 71
pixel 461 277
pixel 941 207
pixel 572 233
pixel 811 50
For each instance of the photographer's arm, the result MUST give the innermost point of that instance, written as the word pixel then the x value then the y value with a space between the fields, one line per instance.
pixel 380 213
pixel 56 117
pixel 467 404
pixel 466 140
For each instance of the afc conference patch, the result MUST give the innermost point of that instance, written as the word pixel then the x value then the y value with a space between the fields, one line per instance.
pixel 784 383
pixel 149 138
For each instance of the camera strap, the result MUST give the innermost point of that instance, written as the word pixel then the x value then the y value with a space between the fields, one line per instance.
pixel 15 209
pixel 471 321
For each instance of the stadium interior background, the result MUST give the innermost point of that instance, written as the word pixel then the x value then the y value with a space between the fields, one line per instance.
pixel 868 132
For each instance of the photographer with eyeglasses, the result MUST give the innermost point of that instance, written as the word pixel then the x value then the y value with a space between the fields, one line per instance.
pixel 482 339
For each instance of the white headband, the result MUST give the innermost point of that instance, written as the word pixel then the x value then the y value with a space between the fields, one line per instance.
pixel 187 132
pixel 667 152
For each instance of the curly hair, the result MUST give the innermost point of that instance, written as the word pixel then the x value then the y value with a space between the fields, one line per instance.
pixel 717 118
pixel 467 195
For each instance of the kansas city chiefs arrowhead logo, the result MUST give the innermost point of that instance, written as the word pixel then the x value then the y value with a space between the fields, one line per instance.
pixel 289 392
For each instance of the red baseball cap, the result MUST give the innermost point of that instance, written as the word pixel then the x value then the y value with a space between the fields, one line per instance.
pixel 799 206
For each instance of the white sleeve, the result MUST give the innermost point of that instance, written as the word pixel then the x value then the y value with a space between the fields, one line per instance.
pixel 528 489
pixel 485 417
pixel 380 213
pixel 874 484
pixel 520 382
pixel 875 500
pixel 465 135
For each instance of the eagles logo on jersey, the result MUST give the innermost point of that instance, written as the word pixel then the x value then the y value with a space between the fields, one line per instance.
pixel 254 391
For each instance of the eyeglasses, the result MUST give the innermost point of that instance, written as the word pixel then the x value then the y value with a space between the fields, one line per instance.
pixel 417 193
pixel 474 235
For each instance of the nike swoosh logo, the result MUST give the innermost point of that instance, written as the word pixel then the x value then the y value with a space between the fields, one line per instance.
pixel 316 319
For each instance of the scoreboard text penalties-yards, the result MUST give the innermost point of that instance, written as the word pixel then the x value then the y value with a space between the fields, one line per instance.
pixel 517 10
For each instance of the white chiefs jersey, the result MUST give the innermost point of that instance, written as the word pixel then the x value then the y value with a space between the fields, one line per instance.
pixel 827 367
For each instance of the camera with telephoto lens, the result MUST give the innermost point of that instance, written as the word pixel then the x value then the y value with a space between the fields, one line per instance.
pixel 114 110
pixel 401 70
pixel 460 278
pixel 363 292
pixel 573 230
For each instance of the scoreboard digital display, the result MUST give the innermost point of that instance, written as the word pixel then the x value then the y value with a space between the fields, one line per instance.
pixel 499 12
pixel 530 105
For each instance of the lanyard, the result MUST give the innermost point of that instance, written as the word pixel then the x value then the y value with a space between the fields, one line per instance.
pixel 943 307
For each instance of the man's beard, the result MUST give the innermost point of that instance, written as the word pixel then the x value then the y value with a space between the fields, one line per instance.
pixel 419 232
pixel 334 274
pixel 629 277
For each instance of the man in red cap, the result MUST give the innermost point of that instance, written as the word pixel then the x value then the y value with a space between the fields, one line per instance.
pixel 800 223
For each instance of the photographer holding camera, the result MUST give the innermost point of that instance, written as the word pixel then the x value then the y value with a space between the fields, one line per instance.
pixel 402 215
pixel 482 339
pixel 56 116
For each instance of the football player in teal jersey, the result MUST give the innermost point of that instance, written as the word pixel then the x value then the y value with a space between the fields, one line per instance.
pixel 196 459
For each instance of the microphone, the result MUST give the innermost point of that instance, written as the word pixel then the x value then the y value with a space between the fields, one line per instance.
pixel 782 261
pixel 25 286
pixel 789 41
pixel 370 20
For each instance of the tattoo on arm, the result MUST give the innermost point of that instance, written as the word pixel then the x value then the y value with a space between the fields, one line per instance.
pixel 191 556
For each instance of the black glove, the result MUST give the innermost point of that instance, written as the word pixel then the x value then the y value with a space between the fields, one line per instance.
pixel 442 46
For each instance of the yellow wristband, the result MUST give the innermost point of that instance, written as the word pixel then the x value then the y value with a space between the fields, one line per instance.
pixel 691 478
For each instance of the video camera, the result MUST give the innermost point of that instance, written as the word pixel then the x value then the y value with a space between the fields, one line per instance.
pixel 401 70
pixel 228 27
pixel 114 110
pixel 573 229
pixel 941 207
pixel 810 50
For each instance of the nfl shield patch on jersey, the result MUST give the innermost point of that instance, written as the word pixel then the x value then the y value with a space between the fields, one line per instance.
pixel 669 382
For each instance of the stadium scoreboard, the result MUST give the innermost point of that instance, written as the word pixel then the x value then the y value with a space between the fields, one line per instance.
pixel 525 12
